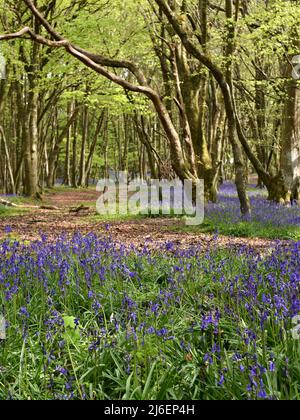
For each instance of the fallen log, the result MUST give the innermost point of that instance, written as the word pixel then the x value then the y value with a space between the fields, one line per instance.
pixel 7 203
pixel 79 209
pixel 27 206
pixel 54 208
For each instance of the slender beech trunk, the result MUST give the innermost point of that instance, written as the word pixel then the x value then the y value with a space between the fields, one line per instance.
pixel 74 155
pixel 290 151
pixel 240 178
pixel 85 133
pixel 89 161
pixel 31 135
pixel 8 160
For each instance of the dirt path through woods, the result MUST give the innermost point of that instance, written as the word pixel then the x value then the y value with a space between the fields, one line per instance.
pixel 138 232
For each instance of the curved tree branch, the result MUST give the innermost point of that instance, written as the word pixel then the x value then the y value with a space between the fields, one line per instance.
pixel 98 64
pixel 82 56
pixel 96 58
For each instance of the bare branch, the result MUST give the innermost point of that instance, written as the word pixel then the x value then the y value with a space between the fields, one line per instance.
pixel 38 38
pixel 20 34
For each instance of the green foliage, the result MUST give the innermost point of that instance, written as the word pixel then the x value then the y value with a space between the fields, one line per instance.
pixel 244 230
pixel 72 334
pixel 274 29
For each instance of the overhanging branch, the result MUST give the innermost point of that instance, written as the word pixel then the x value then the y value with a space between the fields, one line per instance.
pixel 83 57
pixel 96 58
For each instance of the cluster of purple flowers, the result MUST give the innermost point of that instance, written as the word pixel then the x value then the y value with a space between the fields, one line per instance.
pixel 264 212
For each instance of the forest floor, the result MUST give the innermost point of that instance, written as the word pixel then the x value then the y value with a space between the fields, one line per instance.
pixel 127 230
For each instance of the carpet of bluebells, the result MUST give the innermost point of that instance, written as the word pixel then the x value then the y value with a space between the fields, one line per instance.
pixel 89 319
pixel 264 212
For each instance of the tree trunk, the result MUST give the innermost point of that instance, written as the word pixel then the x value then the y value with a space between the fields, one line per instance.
pixel 31 139
pixel 239 163
pixel 8 160
pixel 85 133
pixel 290 150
